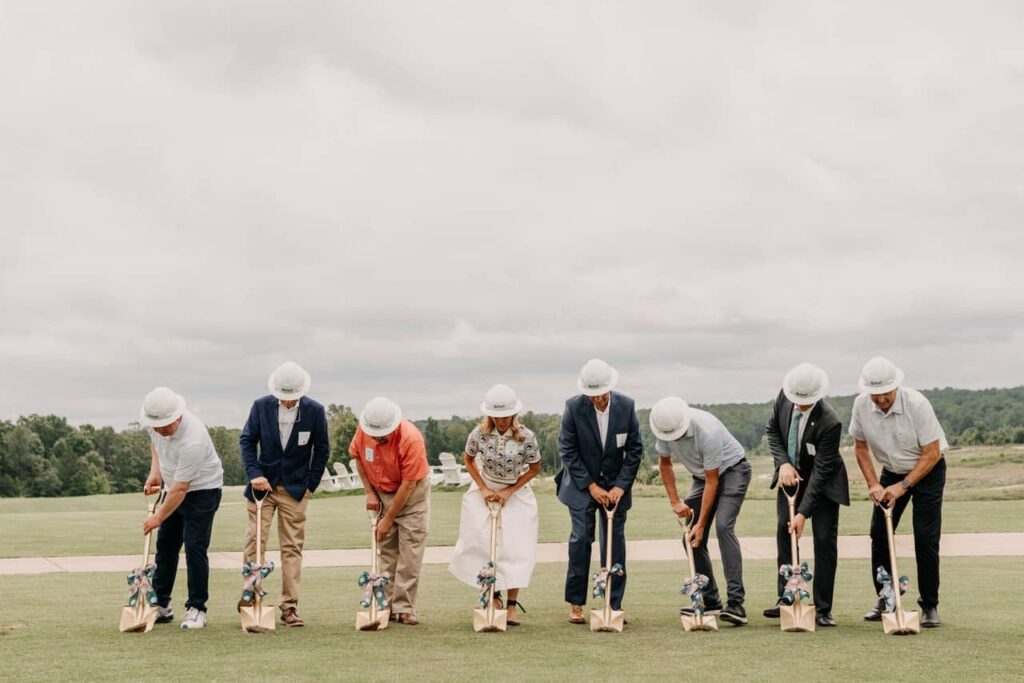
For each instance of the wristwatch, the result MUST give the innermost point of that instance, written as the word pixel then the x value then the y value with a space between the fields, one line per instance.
pixel 905 484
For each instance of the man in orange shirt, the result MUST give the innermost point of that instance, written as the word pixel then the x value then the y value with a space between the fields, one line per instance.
pixel 391 459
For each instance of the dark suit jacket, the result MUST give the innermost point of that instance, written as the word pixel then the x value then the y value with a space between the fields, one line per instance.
pixel 585 461
pixel 297 468
pixel 824 473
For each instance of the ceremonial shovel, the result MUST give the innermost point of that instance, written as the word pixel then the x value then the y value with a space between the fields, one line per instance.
pixel 608 619
pixel 376 619
pixel 490 619
pixel 898 623
pixel 800 615
pixel 141 617
pixel 258 617
pixel 696 621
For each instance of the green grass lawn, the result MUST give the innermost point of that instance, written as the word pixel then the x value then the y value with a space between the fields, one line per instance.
pixel 111 525
pixel 64 627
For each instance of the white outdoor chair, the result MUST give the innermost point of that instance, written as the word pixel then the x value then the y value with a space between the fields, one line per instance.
pixel 454 473
pixel 436 476
pixel 329 483
pixel 352 480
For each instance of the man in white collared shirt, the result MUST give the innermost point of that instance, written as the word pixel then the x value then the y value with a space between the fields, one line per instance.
pixel 898 426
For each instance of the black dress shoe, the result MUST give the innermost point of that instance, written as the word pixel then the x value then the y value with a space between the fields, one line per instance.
pixel 824 620
pixel 772 612
pixel 930 617
pixel 875 613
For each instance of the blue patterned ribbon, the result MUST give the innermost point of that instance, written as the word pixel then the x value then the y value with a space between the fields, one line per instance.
pixel 140 585
pixel 887 593
pixel 601 578
pixel 485 578
pixel 252 583
pixel 693 588
pixel 796 582
pixel 373 588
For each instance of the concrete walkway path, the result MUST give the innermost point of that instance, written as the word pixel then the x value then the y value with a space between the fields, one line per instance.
pixel 758 548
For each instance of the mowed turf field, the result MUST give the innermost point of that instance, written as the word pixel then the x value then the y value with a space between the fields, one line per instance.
pixel 64 628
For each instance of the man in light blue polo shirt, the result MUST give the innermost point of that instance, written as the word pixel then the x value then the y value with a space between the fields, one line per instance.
pixel 185 462
pixel 721 475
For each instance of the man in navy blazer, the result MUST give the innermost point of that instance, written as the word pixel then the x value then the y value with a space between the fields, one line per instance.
pixel 285 446
pixel 600 447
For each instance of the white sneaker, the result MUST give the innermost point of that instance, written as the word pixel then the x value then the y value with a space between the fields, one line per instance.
pixel 194 619
pixel 164 615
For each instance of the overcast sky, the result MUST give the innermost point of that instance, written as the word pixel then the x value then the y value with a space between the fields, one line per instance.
pixel 421 199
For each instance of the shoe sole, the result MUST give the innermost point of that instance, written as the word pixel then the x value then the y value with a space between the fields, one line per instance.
pixel 878 618
pixel 770 616
pixel 734 619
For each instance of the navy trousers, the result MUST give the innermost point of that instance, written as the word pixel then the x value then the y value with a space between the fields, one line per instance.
pixel 577 578
pixel 191 525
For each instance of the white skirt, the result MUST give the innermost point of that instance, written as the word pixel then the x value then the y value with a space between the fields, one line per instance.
pixel 517 538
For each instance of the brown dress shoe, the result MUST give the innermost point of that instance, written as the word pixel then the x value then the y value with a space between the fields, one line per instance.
pixel 290 617
pixel 408 618
pixel 576 615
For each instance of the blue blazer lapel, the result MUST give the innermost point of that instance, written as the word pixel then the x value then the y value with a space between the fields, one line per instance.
pixel 273 428
pixel 590 417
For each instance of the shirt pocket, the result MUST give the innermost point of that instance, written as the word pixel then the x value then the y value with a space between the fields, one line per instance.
pixel 907 439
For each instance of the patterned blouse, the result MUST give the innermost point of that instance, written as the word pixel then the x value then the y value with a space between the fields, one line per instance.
pixel 502 459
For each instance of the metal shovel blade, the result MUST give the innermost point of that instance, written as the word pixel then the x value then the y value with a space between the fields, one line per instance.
pixel 138 619
pixel 482 623
pixel 365 623
pixel 900 623
pixel 698 622
pixel 797 617
pixel 258 618
pixel 614 623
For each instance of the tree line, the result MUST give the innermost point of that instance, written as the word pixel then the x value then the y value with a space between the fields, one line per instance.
pixel 44 455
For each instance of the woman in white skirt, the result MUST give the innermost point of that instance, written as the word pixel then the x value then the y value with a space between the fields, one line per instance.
pixel 502 456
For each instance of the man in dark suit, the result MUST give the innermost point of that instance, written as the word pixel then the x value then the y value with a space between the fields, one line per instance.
pixel 284 448
pixel 803 435
pixel 600 446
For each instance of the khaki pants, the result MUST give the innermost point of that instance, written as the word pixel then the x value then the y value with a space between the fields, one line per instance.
pixel 291 534
pixel 401 552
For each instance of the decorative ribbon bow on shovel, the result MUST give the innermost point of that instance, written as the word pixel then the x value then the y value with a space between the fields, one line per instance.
pixel 140 585
pixel 485 578
pixel 373 588
pixel 601 578
pixel 796 582
pixel 693 588
pixel 887 593
pixel 253 575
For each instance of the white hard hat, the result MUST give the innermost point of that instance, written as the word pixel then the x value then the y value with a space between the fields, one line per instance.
pixel 380 417
pixel 880 376
pixel 805 384
pixel 289 382
pixel 597 378
pixel 501 401
pixel 670 418
pixel 161 407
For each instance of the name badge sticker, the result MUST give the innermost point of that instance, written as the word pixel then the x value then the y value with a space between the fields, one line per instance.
pixel 368 455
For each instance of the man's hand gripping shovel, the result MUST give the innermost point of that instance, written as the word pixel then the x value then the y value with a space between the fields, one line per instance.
pixel 373 583
pixel 895 621
pixel 694 588
pixel 257 616
pixel 796 611
pixel 607 619
pixel 141 612
pixel 487 618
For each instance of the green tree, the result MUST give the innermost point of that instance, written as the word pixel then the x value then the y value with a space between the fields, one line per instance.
pixel 341 425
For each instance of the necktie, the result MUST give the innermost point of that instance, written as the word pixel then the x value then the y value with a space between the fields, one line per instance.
pixel 794 435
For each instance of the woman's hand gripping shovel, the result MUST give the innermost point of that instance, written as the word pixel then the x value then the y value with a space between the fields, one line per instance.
pixel 607 619
pixel 487 618
pixel 796 611
pixel 694 619
pixel 257 616
pixel 141 612
pixel 895 621
pixel 373 585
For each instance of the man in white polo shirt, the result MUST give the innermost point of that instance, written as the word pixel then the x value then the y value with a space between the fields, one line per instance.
pixel 898 426
pixel 721 475
pixel 184 462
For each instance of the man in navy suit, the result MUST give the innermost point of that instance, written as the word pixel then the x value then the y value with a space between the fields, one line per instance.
pixel 284 449
pixel 600 446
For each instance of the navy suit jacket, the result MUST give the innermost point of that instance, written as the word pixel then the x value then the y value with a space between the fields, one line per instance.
pixel 297 468
pixel 824 473
pixel 586 461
